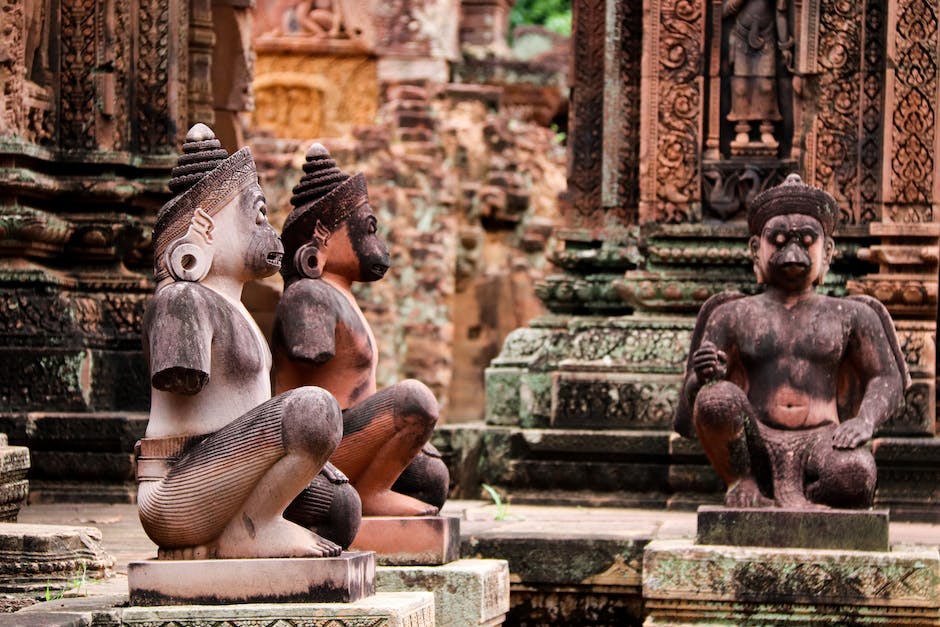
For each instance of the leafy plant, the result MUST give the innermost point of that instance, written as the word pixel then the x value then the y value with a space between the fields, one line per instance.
pixel 75 583
pixel 502 508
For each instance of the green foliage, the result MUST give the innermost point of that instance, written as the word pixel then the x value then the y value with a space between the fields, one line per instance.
pixel 555 15
pixel 76 585
pixel 502 507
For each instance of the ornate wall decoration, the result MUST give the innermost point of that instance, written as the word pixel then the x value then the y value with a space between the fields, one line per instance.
pixel 157 123
pixel 116 58
pixel 12 68
pixel 77 61
pixel 844 152
pixel 672 112
pixel 305 96
pixel 913 117
pixel 587 108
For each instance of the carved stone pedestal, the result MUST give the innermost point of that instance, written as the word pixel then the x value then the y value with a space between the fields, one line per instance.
pixel 794 528
pixel 688 584
pixel 343 579
pixel 14 462
pixel 467 592
pixel 402 609
pixel 417 541
pixel 34 558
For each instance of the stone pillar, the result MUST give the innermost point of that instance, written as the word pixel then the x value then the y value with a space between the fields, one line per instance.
pixel 95 96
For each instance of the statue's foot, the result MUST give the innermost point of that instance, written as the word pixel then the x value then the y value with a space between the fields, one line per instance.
pixel 198 552
pixel 769 140
pixel 745 493
pixel 388 503
pixel 245 538
pixel 798 501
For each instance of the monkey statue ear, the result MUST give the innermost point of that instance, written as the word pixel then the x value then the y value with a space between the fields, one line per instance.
pixel 309 260
pixel 828 252
pixel 190 257
pixel 754 247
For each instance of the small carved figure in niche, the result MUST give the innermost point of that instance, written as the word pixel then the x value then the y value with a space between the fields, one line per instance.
pixel 320 18
pixel 785 388
pixel 322 338
pixel 759 28
pixel 221 459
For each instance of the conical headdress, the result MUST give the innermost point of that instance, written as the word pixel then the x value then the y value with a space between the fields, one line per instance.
pixel 206 177
pixel 323 199
pixel 793 196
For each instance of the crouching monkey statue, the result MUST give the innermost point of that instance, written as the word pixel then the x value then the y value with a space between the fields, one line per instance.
pixel 784 389
pixel 322 338
pixel 221 459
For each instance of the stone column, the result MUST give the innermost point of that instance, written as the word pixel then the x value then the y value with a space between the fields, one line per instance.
pixel 94 101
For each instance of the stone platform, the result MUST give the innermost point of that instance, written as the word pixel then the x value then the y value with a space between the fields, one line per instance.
pixel 411 541
pixel 343 579
pixel 35 558
pixel 688 584
pixel 850 530
pixel 467 592
pixel 398 609
pixel 568 565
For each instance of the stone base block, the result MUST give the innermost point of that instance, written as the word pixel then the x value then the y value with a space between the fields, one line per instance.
pixel 689 584
pixel 48 557
pixel 410 541
pixel 343 579
pixel 849 530
pixel 14 463
pixel 466 592
pixel 400 609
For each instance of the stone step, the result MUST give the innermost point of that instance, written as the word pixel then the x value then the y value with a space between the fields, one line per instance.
pixel 653 468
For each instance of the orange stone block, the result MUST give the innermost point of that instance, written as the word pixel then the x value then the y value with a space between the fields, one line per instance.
pixel 410 541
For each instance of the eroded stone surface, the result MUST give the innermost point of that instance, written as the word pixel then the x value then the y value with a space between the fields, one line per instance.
pixel 14 463
pixel 466 592
pixel 725 585
pixel 40 557
pixel 343 579
pixel 395 609
pixel 779 527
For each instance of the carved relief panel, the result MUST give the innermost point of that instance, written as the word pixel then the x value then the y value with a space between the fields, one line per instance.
pixel 73 78
pixel 738 93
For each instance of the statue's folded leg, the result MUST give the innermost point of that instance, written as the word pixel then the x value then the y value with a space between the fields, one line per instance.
pixel 381 437
pixel 329 506
pixel 838 477
pixel 724 421
pixel 225 494
pixel 426 478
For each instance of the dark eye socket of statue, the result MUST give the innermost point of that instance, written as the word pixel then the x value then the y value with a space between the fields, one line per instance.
pixel 784 389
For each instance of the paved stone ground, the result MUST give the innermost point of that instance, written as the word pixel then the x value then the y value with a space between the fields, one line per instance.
pixel 125 540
